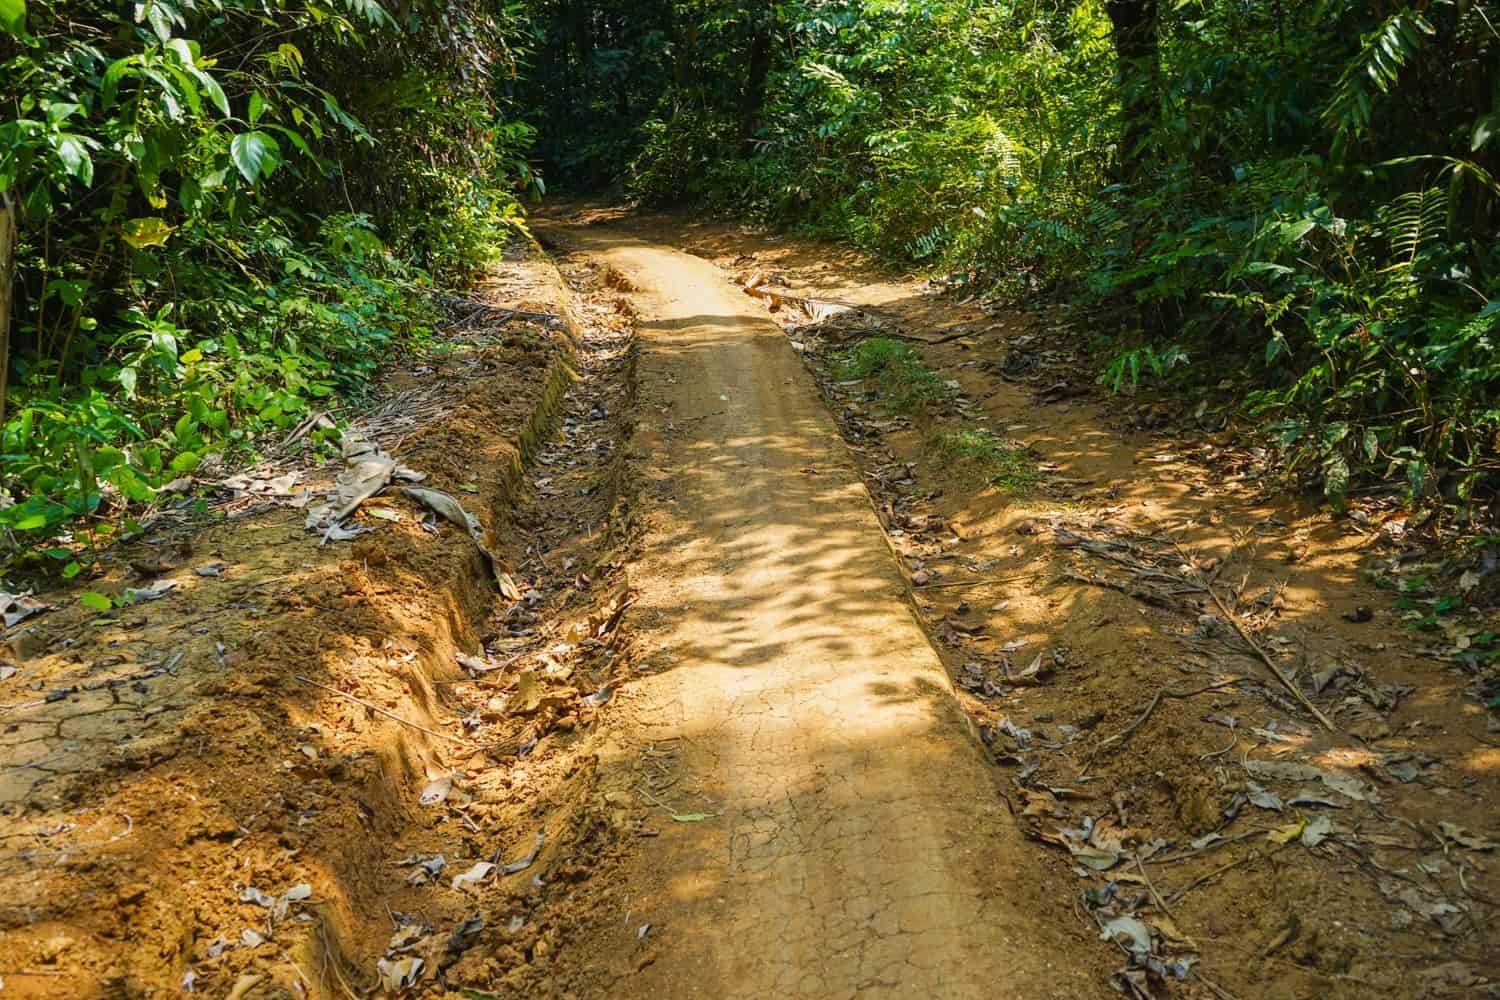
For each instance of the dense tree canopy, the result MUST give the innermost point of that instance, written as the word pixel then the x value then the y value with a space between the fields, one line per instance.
pixel 226 210
pixel 1301 193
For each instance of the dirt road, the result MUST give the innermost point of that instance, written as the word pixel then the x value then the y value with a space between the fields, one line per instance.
pixel 834 829
pixel 714 741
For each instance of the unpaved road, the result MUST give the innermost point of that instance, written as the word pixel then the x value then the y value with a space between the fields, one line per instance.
pixel 854 843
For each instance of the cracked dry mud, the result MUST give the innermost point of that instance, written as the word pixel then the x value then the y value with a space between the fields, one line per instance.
pixel 829 787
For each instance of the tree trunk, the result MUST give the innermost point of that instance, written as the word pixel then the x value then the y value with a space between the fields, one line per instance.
pixel 757 72
pixel 7 298
pixel 1134 29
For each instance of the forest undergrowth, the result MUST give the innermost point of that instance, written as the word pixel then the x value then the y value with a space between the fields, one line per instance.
pixel 1299 198
pixel 220 217
pixel 224 216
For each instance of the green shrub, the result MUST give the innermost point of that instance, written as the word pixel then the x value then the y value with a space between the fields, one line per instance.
pixel 906 380
pixel 230 214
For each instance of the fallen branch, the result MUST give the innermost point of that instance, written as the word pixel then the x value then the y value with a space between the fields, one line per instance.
pixel 389 715
pixel 1121 738
pixel 984 581
pixel 1245 634
pixel 1286 681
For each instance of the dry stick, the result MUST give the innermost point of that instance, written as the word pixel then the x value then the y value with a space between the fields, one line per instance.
pixel 1195 883
pixel 389 715
pixel 1173 858
pixel 1122 737
pixel 1218 990
pixel 1161 903
pixel 1234 619
pixel 1286 681
pixel 976 583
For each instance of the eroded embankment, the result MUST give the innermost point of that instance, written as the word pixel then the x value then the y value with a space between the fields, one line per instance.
pixel 280 774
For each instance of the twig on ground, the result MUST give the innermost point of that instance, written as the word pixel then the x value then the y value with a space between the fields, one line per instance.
pixel 1286 681
pixel 1121 738
pixel 1173 858
pixel 389 715
pixel 1245 634
pixel 975 583
pixel 1208 876
pixel 1218 990
pixel 1156 896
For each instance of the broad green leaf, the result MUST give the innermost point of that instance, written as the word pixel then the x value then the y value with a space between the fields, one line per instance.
pixel 75 158
pixel 61 111
pixel 98 602
pixel 212 89
pixel 255 155
pixel 186 462
pixel 71 570
pixel 31 523
pixel 13 16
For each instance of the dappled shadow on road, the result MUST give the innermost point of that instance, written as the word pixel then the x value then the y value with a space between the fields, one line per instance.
pixel 789 577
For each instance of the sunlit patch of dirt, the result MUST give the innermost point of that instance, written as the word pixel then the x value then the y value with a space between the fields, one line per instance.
pixel 1115 628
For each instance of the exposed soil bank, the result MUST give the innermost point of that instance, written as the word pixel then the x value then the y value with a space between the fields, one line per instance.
pixel 266 781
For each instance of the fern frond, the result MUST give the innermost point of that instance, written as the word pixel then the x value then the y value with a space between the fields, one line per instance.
pixel 1415 219
pixel 1377 68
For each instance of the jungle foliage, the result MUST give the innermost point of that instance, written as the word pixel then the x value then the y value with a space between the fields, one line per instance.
pixel 1300 197
pixel 225 213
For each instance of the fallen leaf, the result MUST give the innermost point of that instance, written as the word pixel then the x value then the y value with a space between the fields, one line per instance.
pixel 16 608
pixel 1262 799
pixel 1315 831
pixel 473 876
pixel 1132 933
pixel 250 894
pixel 524 862
pixel 400 975
pixel 1286 834
pixel 1345 784
pixel 155 592
pixel 437 790
pixel 1464 838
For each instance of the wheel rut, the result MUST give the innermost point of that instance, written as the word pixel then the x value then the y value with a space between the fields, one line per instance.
pixel 831 827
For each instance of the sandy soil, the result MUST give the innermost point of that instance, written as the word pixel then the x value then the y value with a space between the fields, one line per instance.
pixel 817 839
pixel 1092 623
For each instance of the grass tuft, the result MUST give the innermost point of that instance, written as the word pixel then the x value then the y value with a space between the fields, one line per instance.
pixel 980 456
pixel 899 371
